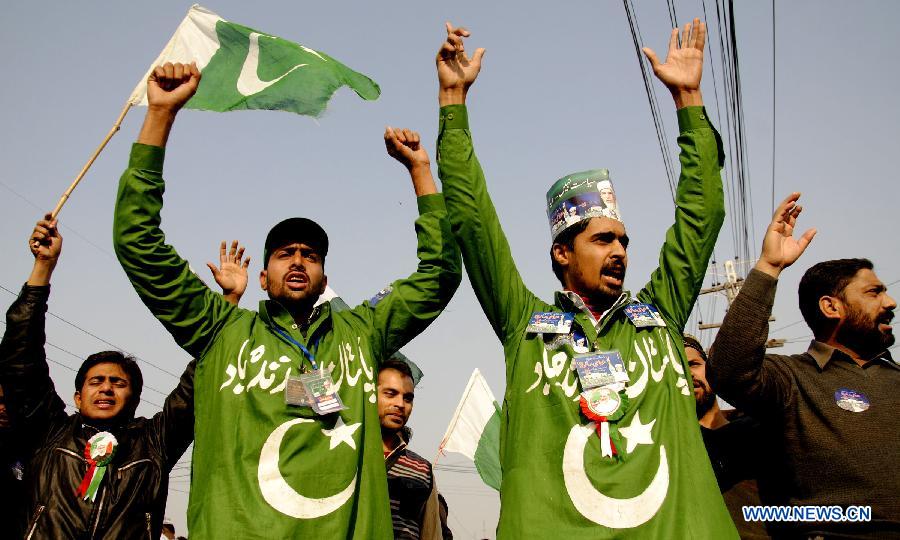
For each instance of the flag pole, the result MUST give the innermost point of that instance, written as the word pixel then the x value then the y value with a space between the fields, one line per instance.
pixel 84 170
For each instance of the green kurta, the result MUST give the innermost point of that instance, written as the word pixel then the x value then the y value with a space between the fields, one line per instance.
pixel 262 468
pixel 555 482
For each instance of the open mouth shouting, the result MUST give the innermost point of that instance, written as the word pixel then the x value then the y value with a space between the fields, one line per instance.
pixel 884 322
pixel 296 281
pixel 613 275
pixel 104 404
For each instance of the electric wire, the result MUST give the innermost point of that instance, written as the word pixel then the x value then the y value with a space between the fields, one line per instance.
pixel 75 370
pixel 774 71
pixel 62 227
pixel 658 125
pixel 100 339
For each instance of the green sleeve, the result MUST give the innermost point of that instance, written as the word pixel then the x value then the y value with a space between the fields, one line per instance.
pixel 699 214
pixel 496 281
pixel 191 312
pixel 414 302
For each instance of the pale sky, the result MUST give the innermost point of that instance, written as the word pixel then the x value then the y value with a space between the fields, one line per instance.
pixel 560 92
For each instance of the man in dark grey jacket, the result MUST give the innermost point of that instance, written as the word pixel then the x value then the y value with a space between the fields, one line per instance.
pixel 832 446
pixel 66 496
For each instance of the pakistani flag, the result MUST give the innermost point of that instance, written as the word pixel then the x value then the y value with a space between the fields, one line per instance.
pixel 474 430
pixel 246 69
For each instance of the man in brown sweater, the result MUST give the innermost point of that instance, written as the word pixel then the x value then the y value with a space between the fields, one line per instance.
pixel 830 415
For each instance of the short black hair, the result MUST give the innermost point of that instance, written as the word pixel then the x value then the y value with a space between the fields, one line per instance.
pixel 566 238
pixel 690 342
pixel 296 229
pixel 399 365
pixel 828 278
pixel 128 365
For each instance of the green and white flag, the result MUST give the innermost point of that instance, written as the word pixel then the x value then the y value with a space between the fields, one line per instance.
pixel 474 430
pixel 246 69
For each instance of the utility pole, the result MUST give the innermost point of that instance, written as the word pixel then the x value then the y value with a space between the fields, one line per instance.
pixel 730 287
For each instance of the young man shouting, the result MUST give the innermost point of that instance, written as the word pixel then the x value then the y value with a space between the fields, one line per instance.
pixel 599 434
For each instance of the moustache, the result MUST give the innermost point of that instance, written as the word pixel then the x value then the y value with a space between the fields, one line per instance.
pixel 615 269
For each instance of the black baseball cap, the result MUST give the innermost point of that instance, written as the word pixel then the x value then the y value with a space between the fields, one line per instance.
pixel 296 229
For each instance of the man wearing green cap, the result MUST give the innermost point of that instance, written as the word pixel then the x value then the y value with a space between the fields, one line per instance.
pixel 287 436
pixel 599 434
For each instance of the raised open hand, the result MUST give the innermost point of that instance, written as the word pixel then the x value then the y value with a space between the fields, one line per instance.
pixel 683 68
pixel 780 249
pixel 231 274
pixel 456 71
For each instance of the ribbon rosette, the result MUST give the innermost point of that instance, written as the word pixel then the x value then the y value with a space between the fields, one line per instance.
pixel 98 451
pixel 604 405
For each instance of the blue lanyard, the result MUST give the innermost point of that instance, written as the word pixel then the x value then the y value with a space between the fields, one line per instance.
pixel 304 350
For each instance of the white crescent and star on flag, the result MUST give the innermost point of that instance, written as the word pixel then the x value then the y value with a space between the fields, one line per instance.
pixel 283 497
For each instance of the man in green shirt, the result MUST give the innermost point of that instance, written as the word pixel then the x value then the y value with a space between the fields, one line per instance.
pixel 574 467
pixel 264 460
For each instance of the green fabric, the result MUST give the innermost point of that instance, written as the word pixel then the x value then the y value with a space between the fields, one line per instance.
pixel 487 454
pixel 303 90
pixel 243 364
pixel 551 489
pixel 578 196
pixel 338 304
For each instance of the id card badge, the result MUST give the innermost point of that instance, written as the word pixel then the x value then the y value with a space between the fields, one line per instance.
pixel 549 322
pixel 644 315
pixel 320 390
pixel 600 369
pixel 295 392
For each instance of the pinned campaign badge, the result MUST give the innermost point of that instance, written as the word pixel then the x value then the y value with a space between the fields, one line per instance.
pixel 603 405
pixel 644 315
pixel 600 369
pixel 379 296
pixel 98 452
pixel 851 400
pixel 602 402
pixel 580 343
pixel 549 322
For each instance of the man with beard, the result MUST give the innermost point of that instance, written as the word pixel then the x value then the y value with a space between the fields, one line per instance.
pixel 732 443
pixel 287 443
pixel 830 414
pixel 599 434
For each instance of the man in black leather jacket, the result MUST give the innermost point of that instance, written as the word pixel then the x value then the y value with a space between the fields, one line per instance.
pixel 130 499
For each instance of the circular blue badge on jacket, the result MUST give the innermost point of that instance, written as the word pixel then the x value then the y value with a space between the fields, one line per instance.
pixel 851 400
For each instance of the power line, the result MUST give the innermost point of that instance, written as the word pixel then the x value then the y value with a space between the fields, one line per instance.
pixel 740 199
pixel 100 339
pixel 63 227
pixel 727 183
pixel 673 18
pixel 73 370
pixel 658 124
pixel 773 107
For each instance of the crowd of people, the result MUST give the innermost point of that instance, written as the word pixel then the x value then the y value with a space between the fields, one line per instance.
pixel 611 426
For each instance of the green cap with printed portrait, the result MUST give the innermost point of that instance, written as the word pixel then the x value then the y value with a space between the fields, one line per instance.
pixel 579 196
